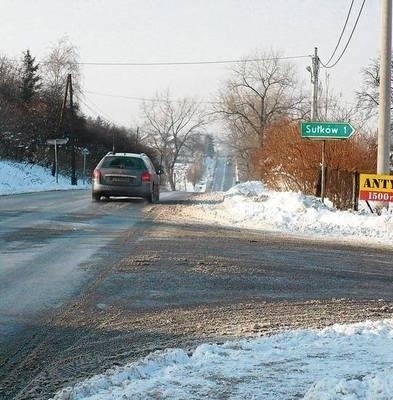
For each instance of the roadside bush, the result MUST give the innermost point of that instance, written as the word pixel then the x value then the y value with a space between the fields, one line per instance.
pixel 288 162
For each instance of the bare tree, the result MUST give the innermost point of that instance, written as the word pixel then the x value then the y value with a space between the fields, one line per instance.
pixel 62 60
pixel 170 125
pixel 9 80
pixel 368 95
pixel 260 92
pixel 195 171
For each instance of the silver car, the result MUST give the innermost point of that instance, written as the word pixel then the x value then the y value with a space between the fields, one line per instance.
pixel 126 174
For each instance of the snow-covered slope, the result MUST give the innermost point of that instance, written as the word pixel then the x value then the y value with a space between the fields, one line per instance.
pixel 21 178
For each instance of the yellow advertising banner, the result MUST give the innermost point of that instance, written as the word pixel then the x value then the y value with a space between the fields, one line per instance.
pixel 373 187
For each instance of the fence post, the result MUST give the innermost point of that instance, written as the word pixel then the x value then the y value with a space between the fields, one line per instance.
pixel 318 182
pixel 355 191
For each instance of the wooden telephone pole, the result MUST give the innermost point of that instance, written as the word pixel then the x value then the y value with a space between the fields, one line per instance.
pixel 68 90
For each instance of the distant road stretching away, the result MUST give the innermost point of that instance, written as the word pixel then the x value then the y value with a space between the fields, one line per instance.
pixel 223 176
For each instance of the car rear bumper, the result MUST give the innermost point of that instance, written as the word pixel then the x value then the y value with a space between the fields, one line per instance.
pixel 128 191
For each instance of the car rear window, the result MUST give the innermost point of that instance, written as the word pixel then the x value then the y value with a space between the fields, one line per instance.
pixel 123 162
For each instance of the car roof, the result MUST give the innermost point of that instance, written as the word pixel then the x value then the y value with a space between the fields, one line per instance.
pixel 138 155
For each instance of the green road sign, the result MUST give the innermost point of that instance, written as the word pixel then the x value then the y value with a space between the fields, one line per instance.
pixel 326 130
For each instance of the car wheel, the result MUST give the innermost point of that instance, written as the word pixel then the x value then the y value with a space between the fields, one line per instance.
pixel 152 196
pixel 95 196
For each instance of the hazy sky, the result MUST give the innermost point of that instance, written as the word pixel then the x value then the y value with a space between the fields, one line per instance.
pixel 186 30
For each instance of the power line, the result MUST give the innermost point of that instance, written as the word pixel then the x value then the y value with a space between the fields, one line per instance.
pixel 90 108
pixel 170 63
pixel 342 32
pixel 145 99
pixel 119 96
pixel 349 39
pixel 95 110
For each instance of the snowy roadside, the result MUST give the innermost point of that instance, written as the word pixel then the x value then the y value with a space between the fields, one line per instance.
pixel 341 362
pixel 251 206
pixel 18 177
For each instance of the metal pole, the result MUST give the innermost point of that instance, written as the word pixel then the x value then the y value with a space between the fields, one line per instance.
pixel 354 207
pixel 383 165
pixel 84 168
pixel 323 174
pixel 315 74
pixel 56 167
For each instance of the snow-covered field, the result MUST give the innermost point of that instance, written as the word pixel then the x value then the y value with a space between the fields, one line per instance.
pixel 341 362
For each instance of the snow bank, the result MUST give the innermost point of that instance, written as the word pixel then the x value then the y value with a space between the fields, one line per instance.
pixel 22 178
pixel 250 205
pixel 341 362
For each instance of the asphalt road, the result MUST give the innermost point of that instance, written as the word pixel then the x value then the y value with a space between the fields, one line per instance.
pixel 85 286
pixel 223 175
pixel 45 239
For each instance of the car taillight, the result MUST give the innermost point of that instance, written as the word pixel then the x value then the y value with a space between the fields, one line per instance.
pixel 146 176
pixel 97 175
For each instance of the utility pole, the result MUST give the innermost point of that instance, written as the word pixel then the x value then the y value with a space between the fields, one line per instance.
pixel 69 124
pixel 314 114
pixel 314 81
pixel 63 106
pixel 72 133
pixel 383 162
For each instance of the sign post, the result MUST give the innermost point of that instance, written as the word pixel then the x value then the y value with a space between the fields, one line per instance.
pixel 325 131
pixel 85 152
pixel 56 142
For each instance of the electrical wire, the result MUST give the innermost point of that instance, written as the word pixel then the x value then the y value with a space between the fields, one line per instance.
pixel 91 109
pixel 95 110
pixel 173 63
pixel 349 39
pixel 342 32
pixel 144 99
pixel 168 63
pixel 119 96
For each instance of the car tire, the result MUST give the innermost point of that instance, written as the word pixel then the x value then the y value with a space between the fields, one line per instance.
pixel 95 196
pixel 153 195
pixel 150 198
